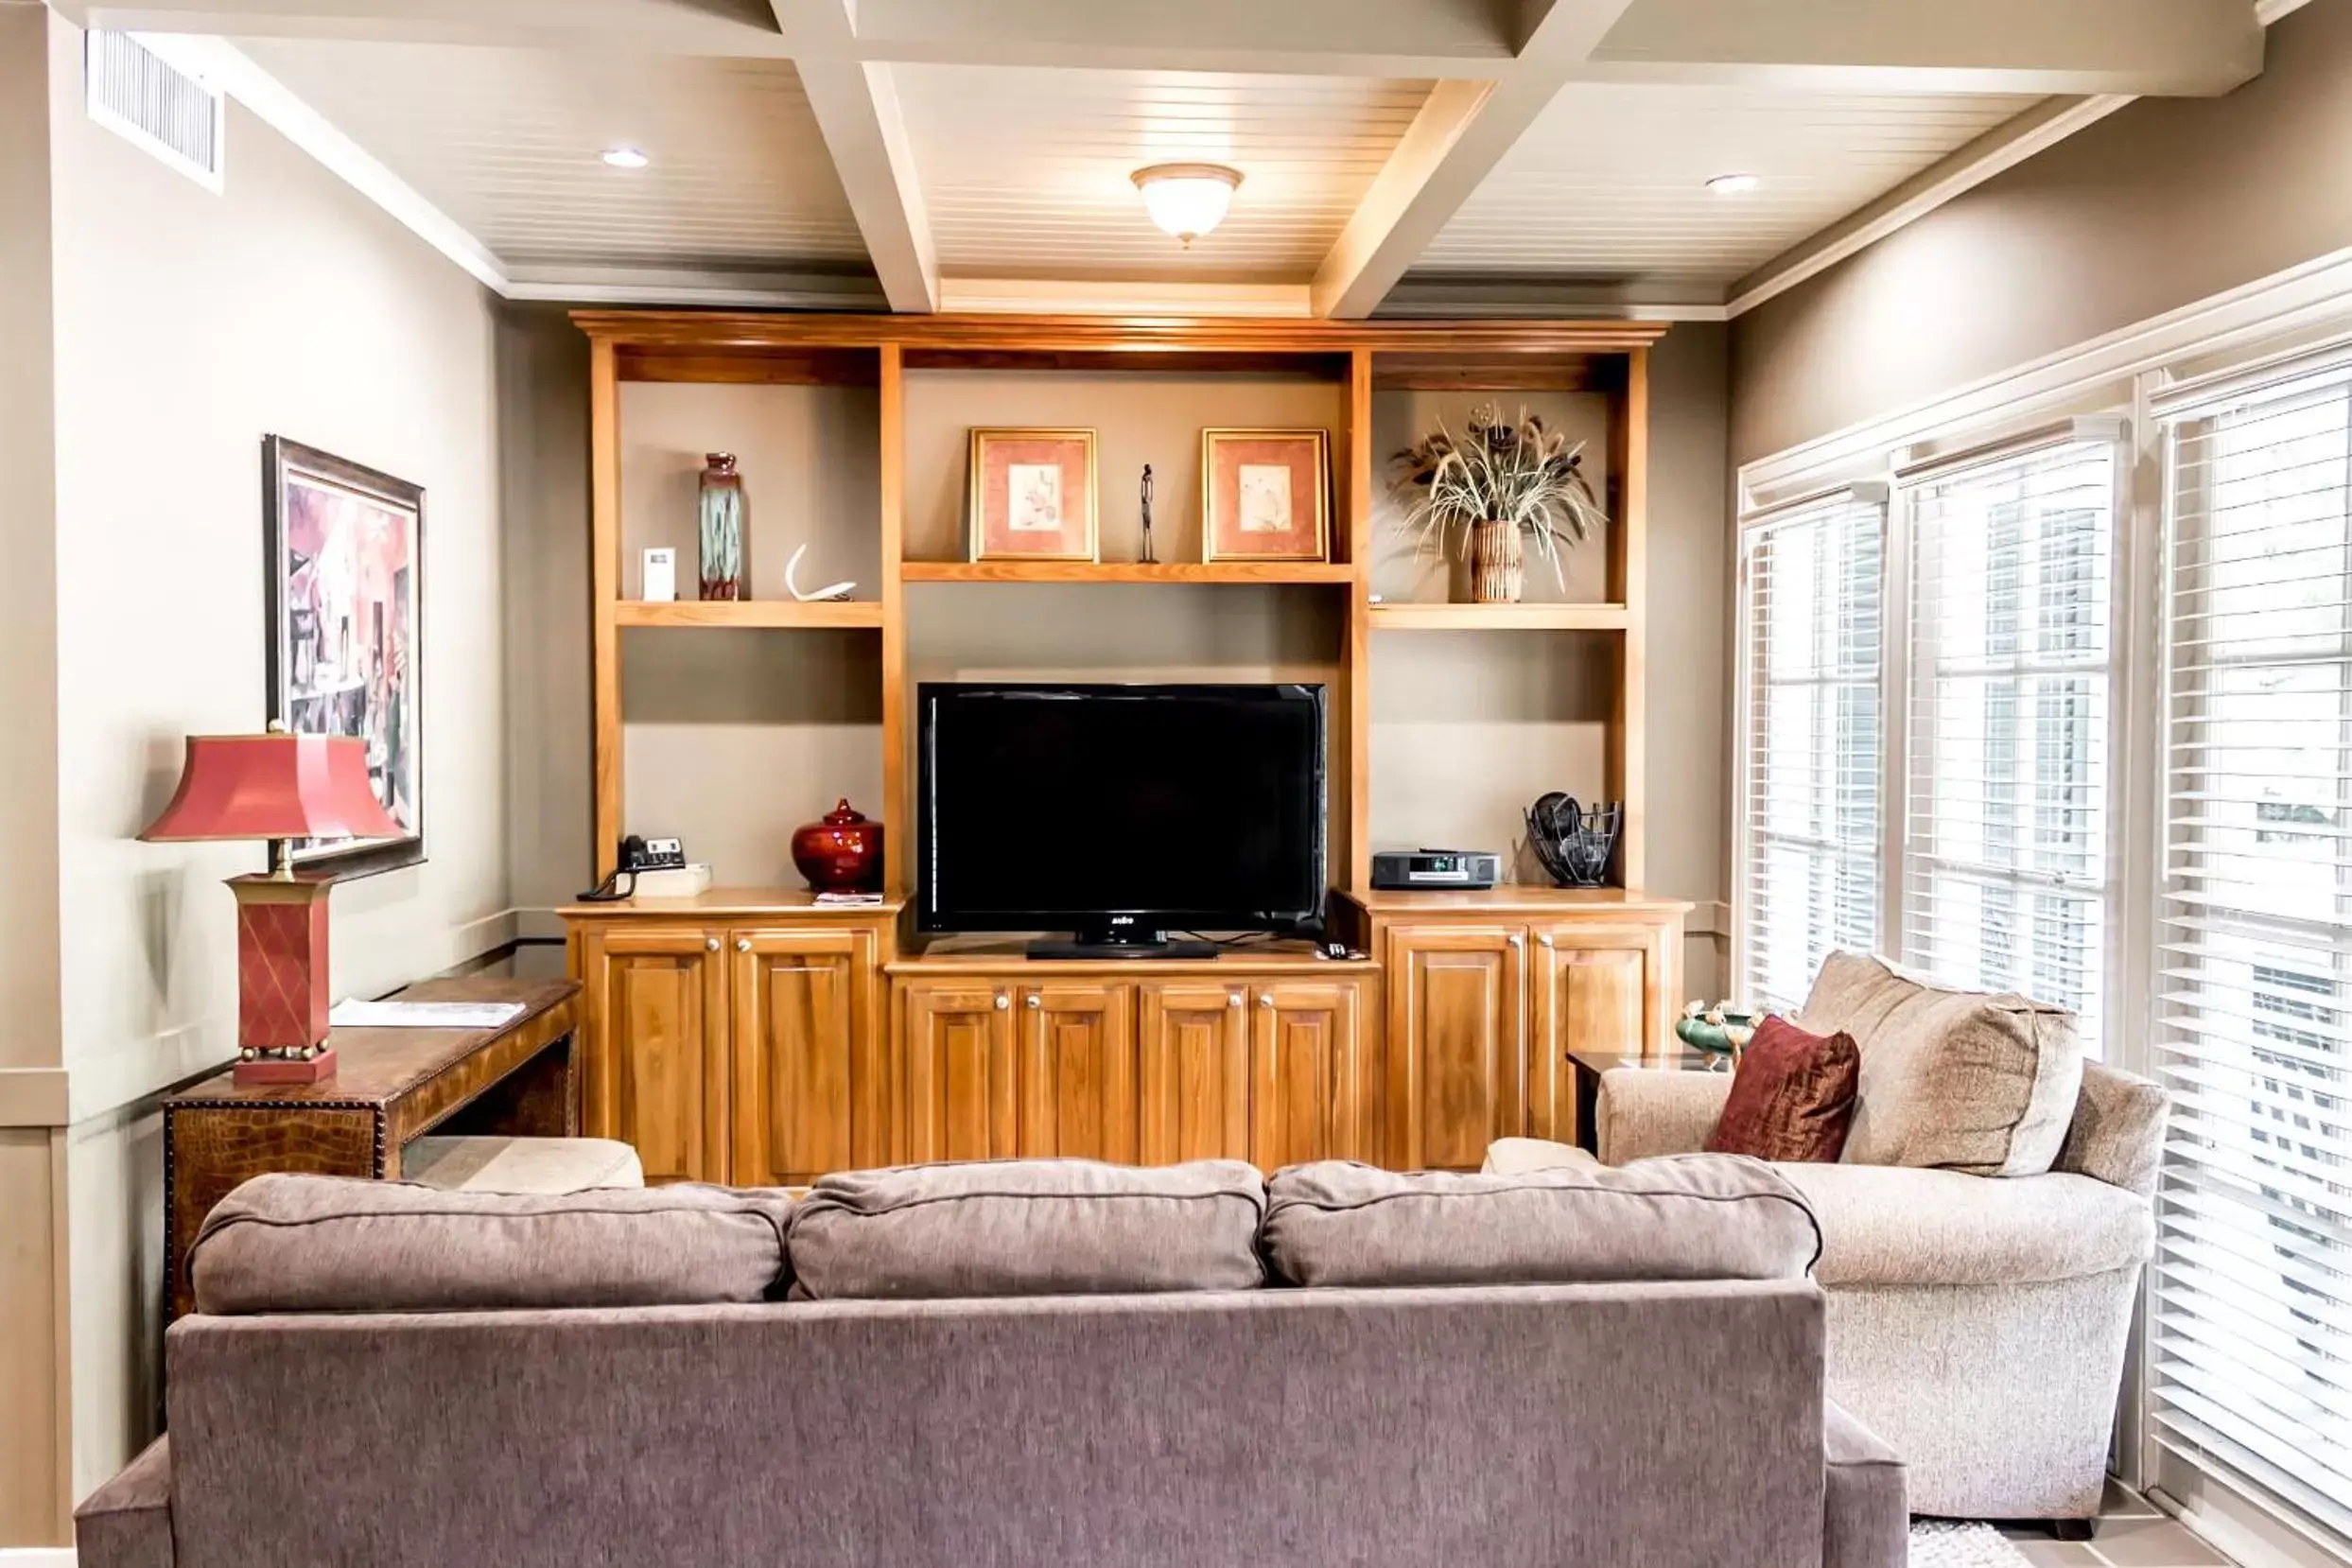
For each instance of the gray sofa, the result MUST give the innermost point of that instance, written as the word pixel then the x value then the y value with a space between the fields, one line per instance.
pixel 346 1394
pixel 1976 1321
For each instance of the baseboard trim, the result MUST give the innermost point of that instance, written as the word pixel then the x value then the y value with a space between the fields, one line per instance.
pixel 36 1557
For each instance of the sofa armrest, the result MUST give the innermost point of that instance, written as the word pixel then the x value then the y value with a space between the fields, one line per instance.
pixel 127 1523
pixel 1642 1112
pixel 2117 1131
pixel 1866 1520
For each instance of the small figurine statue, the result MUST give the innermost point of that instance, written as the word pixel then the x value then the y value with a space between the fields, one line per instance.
pixel 1149 559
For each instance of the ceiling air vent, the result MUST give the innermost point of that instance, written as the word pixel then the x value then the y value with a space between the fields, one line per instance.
pixel 132 93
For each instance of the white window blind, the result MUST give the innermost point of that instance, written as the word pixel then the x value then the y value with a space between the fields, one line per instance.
pixel 2251 1327
pixel 2005 881
pixel 1809 738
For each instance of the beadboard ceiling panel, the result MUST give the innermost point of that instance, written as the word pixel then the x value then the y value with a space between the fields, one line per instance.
pixel 1610 183
pixel 1025 171
pixel 506 141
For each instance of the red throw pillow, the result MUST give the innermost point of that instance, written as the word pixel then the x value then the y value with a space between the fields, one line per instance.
pixel 1793 1096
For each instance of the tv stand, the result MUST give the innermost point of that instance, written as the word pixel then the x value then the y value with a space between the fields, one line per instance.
pixel 1141 945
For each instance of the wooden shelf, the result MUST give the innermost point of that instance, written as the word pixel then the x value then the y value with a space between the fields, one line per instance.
pixel 1125 571
pixel 752 613
pixel 1499 618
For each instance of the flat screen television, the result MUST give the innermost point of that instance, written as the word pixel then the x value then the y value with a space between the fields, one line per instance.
pixel 1120 812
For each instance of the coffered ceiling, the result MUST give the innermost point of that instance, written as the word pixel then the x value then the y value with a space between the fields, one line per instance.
pixel 972 153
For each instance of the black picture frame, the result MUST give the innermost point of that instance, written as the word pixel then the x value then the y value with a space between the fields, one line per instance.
pixel 384 705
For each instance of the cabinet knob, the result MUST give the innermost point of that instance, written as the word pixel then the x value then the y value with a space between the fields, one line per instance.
pixel 1519 939
pixel 1035 1002
pixel 1003 1001
pixel 1265 1001
pixel 712 941
pixel 1233 1001
pixel 1545 940
pixel 742 943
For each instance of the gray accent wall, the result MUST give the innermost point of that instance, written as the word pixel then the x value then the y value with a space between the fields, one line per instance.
pixel 2161 204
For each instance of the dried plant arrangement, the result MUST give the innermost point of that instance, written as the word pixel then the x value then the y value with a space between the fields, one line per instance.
pixel 1485 496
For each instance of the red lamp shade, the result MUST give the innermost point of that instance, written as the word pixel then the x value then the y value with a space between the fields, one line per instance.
pixel 273 787
pixel 278 787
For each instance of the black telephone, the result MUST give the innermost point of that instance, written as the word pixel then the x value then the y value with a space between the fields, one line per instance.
pixel 636 854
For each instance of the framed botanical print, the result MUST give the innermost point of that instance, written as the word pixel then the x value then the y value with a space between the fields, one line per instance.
pixel 1265 495
pixel 1033 495
pixel 345 570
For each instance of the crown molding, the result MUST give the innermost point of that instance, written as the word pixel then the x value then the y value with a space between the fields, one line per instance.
pixel 221 64
pixel 2004 147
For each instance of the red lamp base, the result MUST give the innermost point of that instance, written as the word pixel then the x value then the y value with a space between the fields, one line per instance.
pixel 287 1069
pixel 282 980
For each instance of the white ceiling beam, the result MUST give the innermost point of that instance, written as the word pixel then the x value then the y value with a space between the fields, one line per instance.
pixel 2169 47
pixel 662 26
pixel 1461 132
pixel 1427 38
pixel 856 104
pixel 2005 145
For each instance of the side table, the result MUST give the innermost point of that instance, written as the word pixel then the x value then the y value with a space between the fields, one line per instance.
pixel 390 1086
pixel 1590 1065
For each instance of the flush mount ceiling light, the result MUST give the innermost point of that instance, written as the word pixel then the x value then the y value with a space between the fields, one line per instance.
pixel 1187 200
pixel 1733 184
pixel 625 157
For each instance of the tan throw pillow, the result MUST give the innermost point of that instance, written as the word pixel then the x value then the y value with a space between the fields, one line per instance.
pixel 1951 1079
pixel 1028 1227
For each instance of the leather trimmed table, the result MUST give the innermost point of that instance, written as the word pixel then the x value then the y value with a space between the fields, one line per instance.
pixel 391 1086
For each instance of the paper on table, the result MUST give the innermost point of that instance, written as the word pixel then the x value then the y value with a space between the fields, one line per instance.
pixel 352 1013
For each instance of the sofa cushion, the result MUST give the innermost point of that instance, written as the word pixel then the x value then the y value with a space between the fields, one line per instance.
pixel 1029 1227
pixel 1893 1225
pixel 1793 1097
pixel 1680 1217
pixel 1516 1156
pixel 1950 1078
pixel 335 1244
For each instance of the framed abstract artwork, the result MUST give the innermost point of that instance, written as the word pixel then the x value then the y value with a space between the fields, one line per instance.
pixel 345 552
pixel 1265 494
pixel 1033 495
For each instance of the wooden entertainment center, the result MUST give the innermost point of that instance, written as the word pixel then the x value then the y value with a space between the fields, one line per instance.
pixel 749 1036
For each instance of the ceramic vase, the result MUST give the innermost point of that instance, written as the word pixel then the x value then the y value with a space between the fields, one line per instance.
pixel 841 854
pixel 721 529
pixel 1498 562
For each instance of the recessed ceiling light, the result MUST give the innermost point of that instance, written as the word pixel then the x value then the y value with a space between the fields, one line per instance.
pixel 625 157
pixel 1733 184
pixel 1187 200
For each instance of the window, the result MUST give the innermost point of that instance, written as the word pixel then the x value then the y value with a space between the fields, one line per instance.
pixel 2250 1332
pixel 2004 874
pixel 1809 738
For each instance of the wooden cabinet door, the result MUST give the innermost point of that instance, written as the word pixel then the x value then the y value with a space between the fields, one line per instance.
pixel 1193 1066
pixel 959 1096
pixel 808 1085
pixel 1457 1072
pixel 657 1063
pixel 1309 1093
pixel 1600 988
pixel 1078 1072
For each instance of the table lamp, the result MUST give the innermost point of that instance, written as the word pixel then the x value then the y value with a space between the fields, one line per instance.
pixel 278 787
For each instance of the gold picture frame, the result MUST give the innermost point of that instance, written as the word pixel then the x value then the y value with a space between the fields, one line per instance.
pixel 1010 494
pixel 1239 498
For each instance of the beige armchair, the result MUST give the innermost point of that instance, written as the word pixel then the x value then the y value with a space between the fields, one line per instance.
pixel 1977 1323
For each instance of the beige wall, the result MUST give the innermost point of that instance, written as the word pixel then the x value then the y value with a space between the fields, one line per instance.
pixel 2159 206
pixel 189 325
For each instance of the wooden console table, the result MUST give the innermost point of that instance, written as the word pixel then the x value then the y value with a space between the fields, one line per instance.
pixel 391 1086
